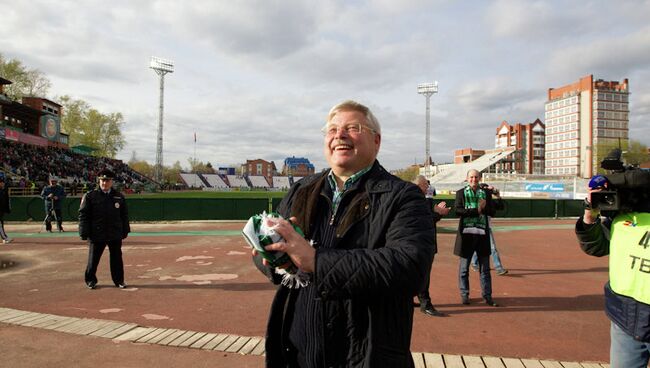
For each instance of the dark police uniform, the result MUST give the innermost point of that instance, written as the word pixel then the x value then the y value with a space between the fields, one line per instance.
pixel 104 220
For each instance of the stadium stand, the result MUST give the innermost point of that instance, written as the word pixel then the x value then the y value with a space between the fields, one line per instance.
pixel 31 163
pixel 258 181
pixel 192 180
pixel 457 173
pixel 281 182
pixel 215 181
pixel 237 181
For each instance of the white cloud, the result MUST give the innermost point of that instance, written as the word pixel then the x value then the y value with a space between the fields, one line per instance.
pixel 255 79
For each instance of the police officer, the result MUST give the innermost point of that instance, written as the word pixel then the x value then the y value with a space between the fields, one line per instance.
pixel 104 220
pixel 53 196
pixel 625 237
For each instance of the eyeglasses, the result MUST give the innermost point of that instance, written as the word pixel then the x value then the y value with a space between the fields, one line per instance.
pixel 351 129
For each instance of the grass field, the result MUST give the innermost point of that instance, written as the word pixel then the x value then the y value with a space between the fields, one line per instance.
pixel 233 194
pixel 210 194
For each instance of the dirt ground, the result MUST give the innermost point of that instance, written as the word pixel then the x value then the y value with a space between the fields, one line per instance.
pixel 198 276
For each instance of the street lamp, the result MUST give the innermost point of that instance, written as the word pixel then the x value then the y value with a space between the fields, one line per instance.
pixel 161 67
pixel 427 89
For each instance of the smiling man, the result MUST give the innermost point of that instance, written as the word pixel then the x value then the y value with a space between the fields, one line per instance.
pixel 371 234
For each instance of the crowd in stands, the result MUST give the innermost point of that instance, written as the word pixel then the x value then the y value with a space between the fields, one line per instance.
pixel 27 164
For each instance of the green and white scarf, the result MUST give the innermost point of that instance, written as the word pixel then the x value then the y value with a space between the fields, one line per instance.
pixel 471 201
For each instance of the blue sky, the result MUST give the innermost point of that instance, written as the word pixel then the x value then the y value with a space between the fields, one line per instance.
pixel 255 79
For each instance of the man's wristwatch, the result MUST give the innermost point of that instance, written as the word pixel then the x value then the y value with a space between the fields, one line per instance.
pixel 586 204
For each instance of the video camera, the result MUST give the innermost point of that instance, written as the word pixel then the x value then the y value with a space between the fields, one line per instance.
pixel 486 187
pixel 626 189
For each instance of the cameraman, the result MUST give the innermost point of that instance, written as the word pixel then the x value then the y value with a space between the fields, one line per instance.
pixel 623 235
pixel 53 196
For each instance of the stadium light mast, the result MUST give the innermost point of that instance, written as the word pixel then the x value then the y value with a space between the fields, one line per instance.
pixel 161 67
pixel 427 89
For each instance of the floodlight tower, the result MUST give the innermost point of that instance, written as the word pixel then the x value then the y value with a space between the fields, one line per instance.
pixel 427 89
pixel 161 67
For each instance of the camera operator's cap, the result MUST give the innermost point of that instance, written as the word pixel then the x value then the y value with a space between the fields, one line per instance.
pixel 106 174
pixel 598 181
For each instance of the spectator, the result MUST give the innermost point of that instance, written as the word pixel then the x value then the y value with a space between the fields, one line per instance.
pixel 498 266
pixel 438 211
pixel 474 204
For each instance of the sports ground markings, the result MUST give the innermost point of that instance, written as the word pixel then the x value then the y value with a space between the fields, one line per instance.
pixel 135 234
pixel 504 228
pixel 245 345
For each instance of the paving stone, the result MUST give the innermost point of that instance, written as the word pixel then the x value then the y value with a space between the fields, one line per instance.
pixel 171 337
pixel 250 345
pixel 192 339
pixel 182 338
pixel 433 360
pixel 241 341
pixel 493 362
pixel 202 341
pixel 121 330
pixel 214 342
pixel 226 343
pixel 162 335
pixel 108 328
pixel 260 348
pixel 134 334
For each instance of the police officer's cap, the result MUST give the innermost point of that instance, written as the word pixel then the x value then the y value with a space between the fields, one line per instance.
pixel 106 174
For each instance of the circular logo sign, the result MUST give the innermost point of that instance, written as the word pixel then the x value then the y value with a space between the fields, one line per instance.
pixel 50 128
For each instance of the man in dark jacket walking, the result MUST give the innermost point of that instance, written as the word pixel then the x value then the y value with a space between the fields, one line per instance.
pixel 371 234
pixel 104 220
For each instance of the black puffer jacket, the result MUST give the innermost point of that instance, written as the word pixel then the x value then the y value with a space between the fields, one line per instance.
pixel 103 216
pixel 365 278
pixel 5 205
pixel 630 315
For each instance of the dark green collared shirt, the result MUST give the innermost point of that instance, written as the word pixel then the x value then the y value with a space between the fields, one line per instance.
pixel 336 197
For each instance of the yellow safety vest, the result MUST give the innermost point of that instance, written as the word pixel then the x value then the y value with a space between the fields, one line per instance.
pixel 629 256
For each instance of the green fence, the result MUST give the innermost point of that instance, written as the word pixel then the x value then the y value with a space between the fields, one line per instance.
pixel 173 209
pixel 142 209
pixel 521 208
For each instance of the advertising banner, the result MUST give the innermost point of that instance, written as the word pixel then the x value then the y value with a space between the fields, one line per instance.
pixel 50 127
pixel 549 187
pixel 11 135
pixel 32 139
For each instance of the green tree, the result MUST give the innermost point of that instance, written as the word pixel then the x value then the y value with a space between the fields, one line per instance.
pixel 141 166
pixel 89 127
pixel 171 174
pixel 199 167
pixel 25 82
pixel 409 173
pixel 636 153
